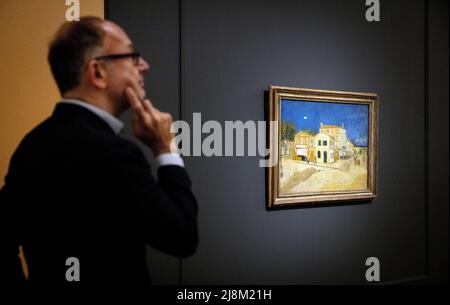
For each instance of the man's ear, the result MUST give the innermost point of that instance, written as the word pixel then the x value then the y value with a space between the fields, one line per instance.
pixel 96 74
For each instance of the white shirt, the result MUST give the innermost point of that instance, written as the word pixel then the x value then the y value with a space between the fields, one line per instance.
pixel 117 125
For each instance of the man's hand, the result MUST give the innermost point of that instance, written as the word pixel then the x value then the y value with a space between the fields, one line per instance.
pixel 150 125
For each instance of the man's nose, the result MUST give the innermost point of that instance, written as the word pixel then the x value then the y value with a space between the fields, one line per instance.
pixel 143 65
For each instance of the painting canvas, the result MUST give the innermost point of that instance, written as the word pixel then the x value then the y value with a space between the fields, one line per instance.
pixel 327 144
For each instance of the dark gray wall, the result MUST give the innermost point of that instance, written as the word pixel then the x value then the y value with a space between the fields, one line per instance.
pixel 218 58
pixel 438 147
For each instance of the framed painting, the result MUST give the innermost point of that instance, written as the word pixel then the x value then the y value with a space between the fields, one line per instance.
pixel 326 144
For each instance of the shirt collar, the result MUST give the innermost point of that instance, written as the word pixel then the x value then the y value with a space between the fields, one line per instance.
pixel 113 122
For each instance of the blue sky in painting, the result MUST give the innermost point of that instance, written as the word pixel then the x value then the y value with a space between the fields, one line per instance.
pixel 308 115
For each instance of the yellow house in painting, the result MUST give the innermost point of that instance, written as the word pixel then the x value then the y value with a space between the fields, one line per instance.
pixel 304 146
pixel 326 151
pixel 329 145
pixel 343 146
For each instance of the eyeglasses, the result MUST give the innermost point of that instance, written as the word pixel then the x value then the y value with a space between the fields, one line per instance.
pixel 135 56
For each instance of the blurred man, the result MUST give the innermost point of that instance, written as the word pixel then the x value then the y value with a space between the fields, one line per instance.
pixel 75 188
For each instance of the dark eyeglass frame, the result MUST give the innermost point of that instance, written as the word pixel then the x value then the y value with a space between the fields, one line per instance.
pixel 135 56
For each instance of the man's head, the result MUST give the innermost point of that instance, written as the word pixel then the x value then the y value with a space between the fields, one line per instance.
pixel 94 59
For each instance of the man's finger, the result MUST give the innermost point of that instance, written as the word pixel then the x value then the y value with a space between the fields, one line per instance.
pixel 150 109
pixel 148 105
pixel 134 101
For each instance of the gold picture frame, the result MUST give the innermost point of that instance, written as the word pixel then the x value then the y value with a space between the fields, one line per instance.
pixel 326 144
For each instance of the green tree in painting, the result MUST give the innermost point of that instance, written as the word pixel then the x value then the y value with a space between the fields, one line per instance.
pixel 288 132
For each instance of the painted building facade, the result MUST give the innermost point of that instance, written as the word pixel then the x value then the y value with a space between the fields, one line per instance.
pixel 325 148
pixel 304 146
pixel 342 144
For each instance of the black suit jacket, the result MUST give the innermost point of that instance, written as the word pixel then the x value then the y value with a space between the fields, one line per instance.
pixel 76 189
